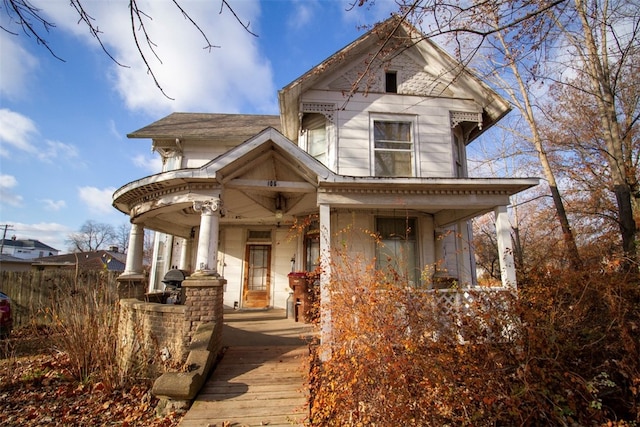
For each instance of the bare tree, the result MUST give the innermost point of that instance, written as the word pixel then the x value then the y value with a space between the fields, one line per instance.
pixel 121 237
pixel 31 21
pixel 595 38
pixel 513 68
pixel 91 237
pixel 605 40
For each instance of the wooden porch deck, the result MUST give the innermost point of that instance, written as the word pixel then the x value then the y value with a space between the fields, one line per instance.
pixel 261 379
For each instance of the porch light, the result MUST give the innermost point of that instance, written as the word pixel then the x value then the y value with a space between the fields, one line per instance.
pixel 279 203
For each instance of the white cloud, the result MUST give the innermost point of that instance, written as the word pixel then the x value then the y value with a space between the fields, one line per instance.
pixel 151 164
pixel 113 130
pixel 302 13
pixel 18 65
pixel 234 77
pixel 53 205
pixel 369 13
pixel 7 182
pixel 98 201
pixel 56 150
pixel 16 130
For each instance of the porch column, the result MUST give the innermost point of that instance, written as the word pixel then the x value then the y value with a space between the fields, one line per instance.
pixel 132 282
pixel 207 255
pixel 133 266
pixel 464 246
pixel 185 251
pixel 325 278
pixel 505 248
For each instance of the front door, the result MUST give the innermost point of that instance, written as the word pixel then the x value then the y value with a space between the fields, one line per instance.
pixel 256 289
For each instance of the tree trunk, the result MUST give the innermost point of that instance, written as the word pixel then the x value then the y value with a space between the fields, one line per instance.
pixel 596 60
pixel 523 103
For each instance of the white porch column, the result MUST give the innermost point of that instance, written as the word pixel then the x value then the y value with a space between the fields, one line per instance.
pixel 465 276
pixel 505 248
pixel 133 265
pixel 325 277
pixel 185 250
pixel 207 255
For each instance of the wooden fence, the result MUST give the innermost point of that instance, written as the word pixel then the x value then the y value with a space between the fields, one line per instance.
pixel 34 293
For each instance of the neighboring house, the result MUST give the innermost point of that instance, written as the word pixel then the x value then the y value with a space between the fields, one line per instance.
pixel 390 158
pixel 27 248
pixel 110 260
pixel 11 263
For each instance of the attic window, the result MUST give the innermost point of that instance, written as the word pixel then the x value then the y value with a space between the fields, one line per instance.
pixel 391 82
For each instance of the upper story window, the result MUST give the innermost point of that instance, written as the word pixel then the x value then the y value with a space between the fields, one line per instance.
pixel 393 148
pixel 459 156
pixel 314 126
pixel 391 82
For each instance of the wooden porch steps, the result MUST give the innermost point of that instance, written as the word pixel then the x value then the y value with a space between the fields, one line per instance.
pixel 254 386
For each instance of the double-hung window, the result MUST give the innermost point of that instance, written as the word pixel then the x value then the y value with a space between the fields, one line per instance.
pixel 315 130
pixel 393 148
pixel 396 255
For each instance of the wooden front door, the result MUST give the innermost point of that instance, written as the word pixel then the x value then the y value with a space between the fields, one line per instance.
pixel 257 286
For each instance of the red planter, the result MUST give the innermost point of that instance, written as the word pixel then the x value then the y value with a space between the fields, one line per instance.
pixel 303 296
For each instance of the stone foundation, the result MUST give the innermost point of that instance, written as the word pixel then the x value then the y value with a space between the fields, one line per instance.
pixel 188 338
pixel 150 332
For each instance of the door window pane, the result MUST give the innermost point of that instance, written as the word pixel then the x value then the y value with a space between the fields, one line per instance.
pixel 258 268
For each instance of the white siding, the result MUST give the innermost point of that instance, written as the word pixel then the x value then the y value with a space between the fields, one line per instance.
pixel 441 256
pixel 283 249
pixel 432 136
pixel 234 239
pixel 197 154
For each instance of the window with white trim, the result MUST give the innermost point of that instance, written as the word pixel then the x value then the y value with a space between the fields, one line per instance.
pixel 314 127
pixel 393 148
pixel 397 253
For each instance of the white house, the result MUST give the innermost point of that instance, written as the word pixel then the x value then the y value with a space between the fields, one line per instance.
pixel 26 248
pixel 388 156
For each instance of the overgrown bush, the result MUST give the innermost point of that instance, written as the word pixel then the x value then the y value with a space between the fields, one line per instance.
pixel 85 323
pixel 563 351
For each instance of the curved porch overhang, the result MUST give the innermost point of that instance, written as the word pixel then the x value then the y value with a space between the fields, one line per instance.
pixel 266 180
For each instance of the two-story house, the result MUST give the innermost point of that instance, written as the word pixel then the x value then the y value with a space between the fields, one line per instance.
pixel 26 248
pixel 373 138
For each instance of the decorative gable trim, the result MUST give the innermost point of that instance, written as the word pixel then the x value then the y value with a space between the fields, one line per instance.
pixel 327 110
pixel 458 117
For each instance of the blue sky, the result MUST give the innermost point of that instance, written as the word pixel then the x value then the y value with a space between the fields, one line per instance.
pixel 63 125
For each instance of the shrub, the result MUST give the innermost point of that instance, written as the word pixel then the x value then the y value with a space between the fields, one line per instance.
pixel 85 320
pixel 564 350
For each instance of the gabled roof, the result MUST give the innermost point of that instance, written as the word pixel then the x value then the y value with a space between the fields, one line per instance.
pixel 268 139
pixel 449 72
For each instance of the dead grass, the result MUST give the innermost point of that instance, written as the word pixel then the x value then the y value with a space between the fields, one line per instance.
pixel 37 388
